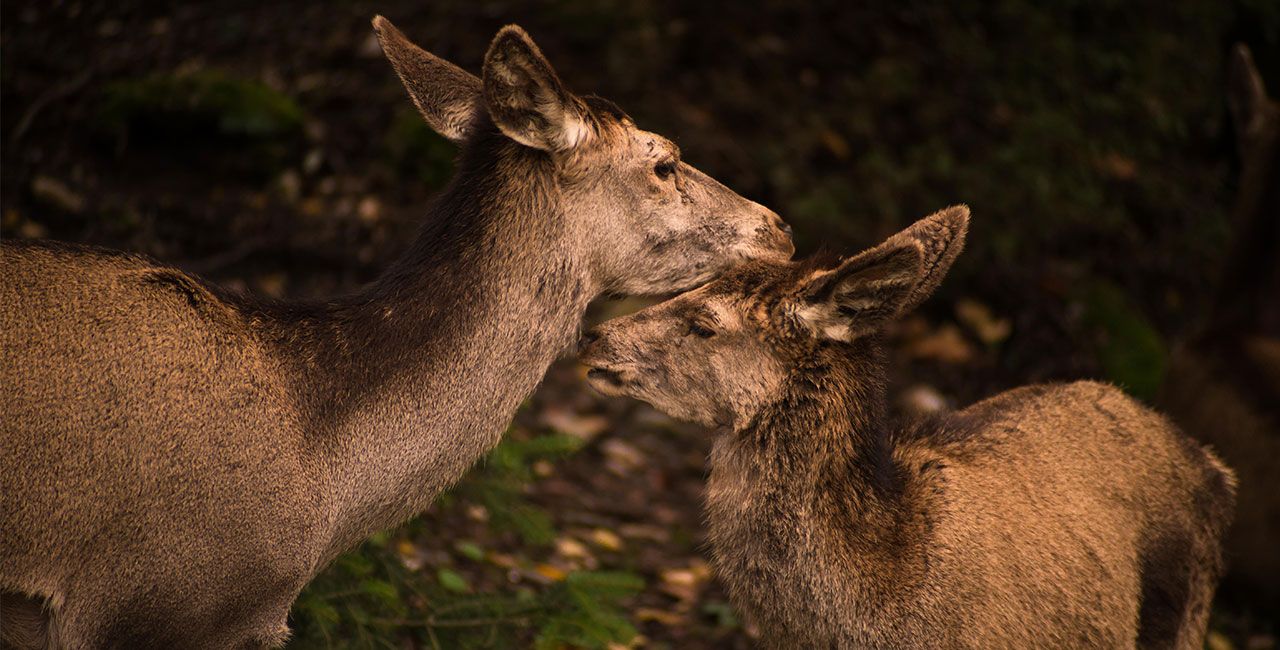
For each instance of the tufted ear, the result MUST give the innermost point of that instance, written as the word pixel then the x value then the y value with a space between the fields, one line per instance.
pixel 873 287
pixel 446 95
pixel 526 99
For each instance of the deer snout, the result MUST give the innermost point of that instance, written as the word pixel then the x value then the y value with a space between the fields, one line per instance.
pixel 778 233
pixel 779 223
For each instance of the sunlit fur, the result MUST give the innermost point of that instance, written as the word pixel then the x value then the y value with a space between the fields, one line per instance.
pixel 178 460
pixel 1052 516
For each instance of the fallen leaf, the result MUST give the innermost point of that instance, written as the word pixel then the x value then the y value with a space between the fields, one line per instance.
pixel 1118 166
pixel 273 284
pixel 550 572
pixel 470 550
pixel 570 547
pixel 922 399
pixel 620 457
pixel 835 143
pixel 369 209
pixel 683 584
pixel 946 344
pixel 55 193
pixel 979 319
pixel 1216 641
pixel 502 560
pixel 646 532
pixel 606 539
pixel 453 581
pixel 670 619
pixel 568 421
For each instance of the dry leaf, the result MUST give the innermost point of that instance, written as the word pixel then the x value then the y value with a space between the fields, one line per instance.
pixel 502 559
pixel 620 457
pixel 550 572
pixel 55 193
pixel 543 468
pixel 921 400
pixel 1118 166
pixel 645 531
pixel 670 619
pixel 606 539
pixel 979 319
pixel 369 209
pixel 1216 641
pixel 570 547
pixel 567 421
pixel 946 344
pixel 683 584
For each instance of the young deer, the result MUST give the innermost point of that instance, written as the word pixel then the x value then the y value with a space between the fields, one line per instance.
pixel 1056 516
pixel 177 461
pixel 1223 386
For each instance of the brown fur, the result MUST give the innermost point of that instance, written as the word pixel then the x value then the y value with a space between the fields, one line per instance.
pixel 1055 516
pixel 1223 385
pixel 177 461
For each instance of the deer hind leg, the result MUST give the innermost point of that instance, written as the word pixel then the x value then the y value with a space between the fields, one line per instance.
pixel 25 622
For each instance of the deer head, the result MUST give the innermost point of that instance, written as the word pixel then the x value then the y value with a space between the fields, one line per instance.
pixel 718 354
pixel 646 221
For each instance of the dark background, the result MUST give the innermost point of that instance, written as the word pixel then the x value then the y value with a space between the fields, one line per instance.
pixel 269 146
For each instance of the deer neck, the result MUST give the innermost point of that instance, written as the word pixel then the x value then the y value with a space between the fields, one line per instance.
pixel 406 383
pixel 811 492
pixel 822 445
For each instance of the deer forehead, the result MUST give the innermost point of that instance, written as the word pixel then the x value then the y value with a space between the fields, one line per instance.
pixel 652 145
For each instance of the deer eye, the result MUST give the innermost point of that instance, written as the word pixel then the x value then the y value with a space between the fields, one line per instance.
pixel 665 169
pixel 701 331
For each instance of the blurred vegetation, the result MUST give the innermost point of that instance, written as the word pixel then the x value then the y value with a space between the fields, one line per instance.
pixel 202 109
pixel 272 148
pixel 370 598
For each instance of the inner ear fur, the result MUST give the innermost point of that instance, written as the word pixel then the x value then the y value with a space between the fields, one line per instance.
pixel 862 293
pixel 447 96
pixel 526 98
pixel 879 284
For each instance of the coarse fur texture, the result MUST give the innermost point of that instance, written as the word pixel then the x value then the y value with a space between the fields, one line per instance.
pixel 177 461
pixel 1223 384
pixel 1052 516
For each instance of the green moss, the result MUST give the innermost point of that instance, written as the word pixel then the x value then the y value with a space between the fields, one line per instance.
pixel 206 100
pixel 1129 349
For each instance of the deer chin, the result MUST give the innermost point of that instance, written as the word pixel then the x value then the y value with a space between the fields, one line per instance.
pixel 609 381
pixel 769 248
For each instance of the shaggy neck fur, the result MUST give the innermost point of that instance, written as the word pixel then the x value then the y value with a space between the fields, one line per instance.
pixel 828 421
pixel 402 386
pixel 812 488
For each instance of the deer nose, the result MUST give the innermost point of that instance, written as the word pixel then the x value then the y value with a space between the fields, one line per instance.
pixel 779 223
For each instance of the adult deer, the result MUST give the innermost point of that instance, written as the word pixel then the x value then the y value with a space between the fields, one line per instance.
pixel 1058 516
pixel 177 461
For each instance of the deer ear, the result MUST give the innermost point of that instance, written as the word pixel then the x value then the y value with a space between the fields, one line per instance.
pixel 1246 94
pixel 446 95
pixel 861 294
pixel 940 237
pixel 525 97
pixel 875 286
